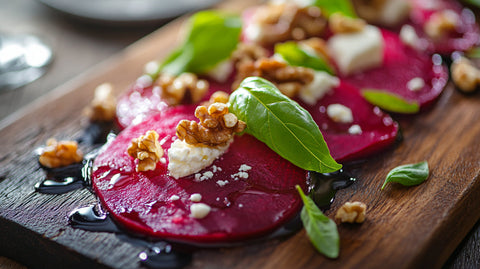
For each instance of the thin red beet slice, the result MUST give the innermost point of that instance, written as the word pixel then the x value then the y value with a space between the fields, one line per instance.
pixel 467 33
pixel 241 209
pixel 379 130
pixel 400 65
pixel 142 101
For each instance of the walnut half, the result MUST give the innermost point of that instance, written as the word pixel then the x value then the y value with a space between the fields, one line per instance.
pixel 60 153
pixel 465 75
pixel 352 212
pixel 216 128
pixel 288 79
pixel 104 104
pixel 147 150
pixel 174 89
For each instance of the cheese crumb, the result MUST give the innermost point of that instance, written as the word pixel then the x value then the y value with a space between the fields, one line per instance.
pixel 222 183
pixel 416 84
pixel 409 36
pixel 340 113
pixel 244 167
pixel 196 197
pixel 174 198
pixel 199 210
pixel 355 130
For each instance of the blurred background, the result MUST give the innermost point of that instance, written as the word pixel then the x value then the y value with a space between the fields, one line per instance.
pixel 80 35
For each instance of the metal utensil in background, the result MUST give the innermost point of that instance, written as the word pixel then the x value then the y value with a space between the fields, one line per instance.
pixel 23 59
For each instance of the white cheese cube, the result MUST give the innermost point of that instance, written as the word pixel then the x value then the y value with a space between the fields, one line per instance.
pixel 358 51
pixel 322 83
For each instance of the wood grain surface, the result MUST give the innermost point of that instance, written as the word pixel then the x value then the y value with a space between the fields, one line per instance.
pixel 417 227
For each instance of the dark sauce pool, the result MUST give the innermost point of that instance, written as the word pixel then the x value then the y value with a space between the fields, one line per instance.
pixel 161 254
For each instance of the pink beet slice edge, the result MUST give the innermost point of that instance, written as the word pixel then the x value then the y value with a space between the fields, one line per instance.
pixel 379 130
pixel 241 209
pixel 402 64
pixel 142 101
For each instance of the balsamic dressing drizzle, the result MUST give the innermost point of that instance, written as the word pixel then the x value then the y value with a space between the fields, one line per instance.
pixel 161 255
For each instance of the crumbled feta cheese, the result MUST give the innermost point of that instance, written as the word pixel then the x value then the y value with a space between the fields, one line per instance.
pixel 151 67
pixel 244 167
pixel 355 130
pixel 322 83
pixel 240 205
pixel 186 159
pixel 199 210
pixel 340 113
pixel 409 36
pixel 253 32
pixel 174 198
pixel 221 71
pixel 196 197
pixel 222 183
pixel 145 80
pixel 357 51
pixel 239 175
pixel 163 160
pixel 416 84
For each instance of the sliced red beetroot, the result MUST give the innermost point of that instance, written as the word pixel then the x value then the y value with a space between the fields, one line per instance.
pixel 241 209
pixel 466 35
pixel 378 130
pixel 401 65
pixel 142 101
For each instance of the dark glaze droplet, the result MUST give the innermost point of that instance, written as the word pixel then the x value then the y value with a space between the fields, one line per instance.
pixel 323 187
pixel 96 133
pixel 92 218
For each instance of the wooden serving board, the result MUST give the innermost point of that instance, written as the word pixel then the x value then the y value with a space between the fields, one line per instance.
pixel 416 227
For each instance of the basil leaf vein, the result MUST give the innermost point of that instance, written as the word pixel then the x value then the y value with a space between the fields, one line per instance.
pixel 408 175
pixel 321 230
pixel 282 124
pixel 390 102
pixel 212 37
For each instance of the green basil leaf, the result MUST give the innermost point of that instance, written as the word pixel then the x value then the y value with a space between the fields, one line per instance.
pixel 390 101
pixel 408 175
pixel 211 39
pixel 321 230
pixel 296 56
pixel 329 7
pixel 282 124
pixel 474 52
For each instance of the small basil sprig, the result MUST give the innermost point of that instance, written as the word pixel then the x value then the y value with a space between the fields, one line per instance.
pixel 390 102
pixel 408 175
pixel 329 7
pixel 321 230
pixel 294 55
pixel 212 37
pixel 282 124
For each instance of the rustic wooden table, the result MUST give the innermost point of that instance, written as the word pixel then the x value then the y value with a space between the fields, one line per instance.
pixel 78 47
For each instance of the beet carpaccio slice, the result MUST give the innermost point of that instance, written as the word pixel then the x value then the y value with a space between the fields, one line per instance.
pixel 467 32
pixel 143 100
pixel 378 129
pixel 242 208
pixel 400 65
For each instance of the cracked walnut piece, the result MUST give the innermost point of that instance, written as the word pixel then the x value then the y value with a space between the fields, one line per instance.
pixel 147 150
pixel 174 89
pixel 104 104
pixel 465 75
pixel 248 52
pixel 288 79
pixel 352 212
pixel 339 23
pixel 60 153
pixel 282 22
pixel 216 128
pixel 441 23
